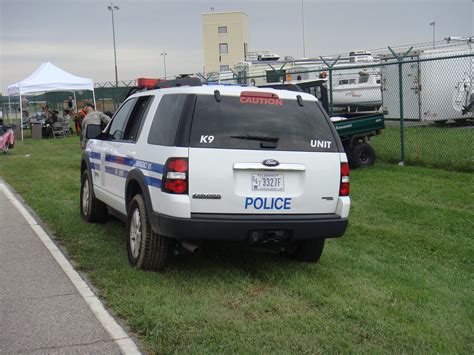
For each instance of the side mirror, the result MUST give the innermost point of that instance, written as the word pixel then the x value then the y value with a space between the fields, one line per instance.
pixel 93 131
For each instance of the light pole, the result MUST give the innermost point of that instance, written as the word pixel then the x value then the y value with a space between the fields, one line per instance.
pixel 112 8
pixel 164 54
pixel 434 25
pixel 302 19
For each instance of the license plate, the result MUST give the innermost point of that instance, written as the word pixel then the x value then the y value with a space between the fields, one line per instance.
pixel 267 182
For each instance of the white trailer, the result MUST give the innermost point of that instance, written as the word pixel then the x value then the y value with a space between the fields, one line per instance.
pixel 432 89
pixel 357 88
pixel 256 73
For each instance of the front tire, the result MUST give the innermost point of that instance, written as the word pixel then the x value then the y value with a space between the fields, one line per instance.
pixel 92 210
pixel 6 147
pixel 308 251
pixel 146 249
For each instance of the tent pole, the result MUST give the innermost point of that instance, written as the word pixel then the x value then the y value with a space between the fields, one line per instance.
pixel 74 107
pixel 93 96
pixel 21 118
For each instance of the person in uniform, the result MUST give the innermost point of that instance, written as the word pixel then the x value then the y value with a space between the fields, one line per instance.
pixel 78 118
pixel 93 117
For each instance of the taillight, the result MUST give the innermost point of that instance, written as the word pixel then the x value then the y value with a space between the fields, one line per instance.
pixel 175 176
pixel 344 189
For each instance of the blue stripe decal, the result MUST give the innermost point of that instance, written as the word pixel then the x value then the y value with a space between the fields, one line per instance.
pixel 157 168
pixel 109 170
pixel 95 155
pixel 117 172
pixel 153 181
pixel 95 166
pixel 142 164
pixel 119 160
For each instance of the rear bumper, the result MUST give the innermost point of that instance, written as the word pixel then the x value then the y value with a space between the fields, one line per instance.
pixel 240 227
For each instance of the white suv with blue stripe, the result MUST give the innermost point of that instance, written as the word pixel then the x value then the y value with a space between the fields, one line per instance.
pixel 187 164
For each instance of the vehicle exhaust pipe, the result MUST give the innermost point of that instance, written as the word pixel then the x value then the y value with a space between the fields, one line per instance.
pixel 190 247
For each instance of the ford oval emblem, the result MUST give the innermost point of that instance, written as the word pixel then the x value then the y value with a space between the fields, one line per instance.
pixel 270 162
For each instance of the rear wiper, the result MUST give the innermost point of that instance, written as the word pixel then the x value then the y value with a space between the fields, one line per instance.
pixel 258 138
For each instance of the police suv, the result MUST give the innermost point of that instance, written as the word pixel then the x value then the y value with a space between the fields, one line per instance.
pixel 187 164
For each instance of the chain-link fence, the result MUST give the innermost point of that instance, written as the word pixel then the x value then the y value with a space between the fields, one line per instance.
pixel 424 95
pixel 425 100
pixel 109 97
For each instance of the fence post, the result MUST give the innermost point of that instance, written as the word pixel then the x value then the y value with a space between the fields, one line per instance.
pixel 9 109
pixel 330 66
pixel 400 92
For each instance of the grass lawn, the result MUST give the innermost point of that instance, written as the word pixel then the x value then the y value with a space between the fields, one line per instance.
pixel 400 280
pixel 448 147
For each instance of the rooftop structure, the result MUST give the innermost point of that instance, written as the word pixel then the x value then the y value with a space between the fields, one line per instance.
pixel 225 38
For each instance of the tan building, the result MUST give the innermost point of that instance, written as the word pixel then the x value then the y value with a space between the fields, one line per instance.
pixel 225 41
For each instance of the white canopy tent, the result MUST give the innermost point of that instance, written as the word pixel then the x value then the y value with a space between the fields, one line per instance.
pixel 49 77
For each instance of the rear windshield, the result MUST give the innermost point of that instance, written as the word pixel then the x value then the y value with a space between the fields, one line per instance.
pixel 260 124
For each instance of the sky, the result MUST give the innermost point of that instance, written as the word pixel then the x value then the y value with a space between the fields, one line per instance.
pixel 76 35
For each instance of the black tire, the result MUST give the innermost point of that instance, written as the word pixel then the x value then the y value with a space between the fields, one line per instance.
pixel 92 210
pixel 362 155
pixel 146 249
pixel 6 147
pixel 308 251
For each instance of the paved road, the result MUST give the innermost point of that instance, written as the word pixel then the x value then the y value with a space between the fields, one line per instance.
pixel 45 306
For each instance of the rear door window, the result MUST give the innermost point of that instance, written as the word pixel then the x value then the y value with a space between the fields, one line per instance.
pixel 167 117
pixel 258 124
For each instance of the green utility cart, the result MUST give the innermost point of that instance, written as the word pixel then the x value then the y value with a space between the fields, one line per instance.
pixel 355 132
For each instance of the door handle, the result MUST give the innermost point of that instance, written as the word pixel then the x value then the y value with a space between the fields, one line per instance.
pixel 131 154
